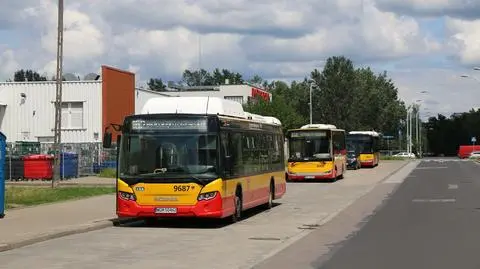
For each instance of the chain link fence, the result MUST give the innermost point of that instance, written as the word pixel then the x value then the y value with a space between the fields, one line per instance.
pixel 34 160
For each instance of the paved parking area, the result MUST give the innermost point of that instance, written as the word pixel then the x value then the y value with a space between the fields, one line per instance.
pixel 306 206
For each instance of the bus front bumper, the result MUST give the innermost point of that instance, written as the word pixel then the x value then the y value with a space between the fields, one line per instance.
pixel 310 176
pixel 203 209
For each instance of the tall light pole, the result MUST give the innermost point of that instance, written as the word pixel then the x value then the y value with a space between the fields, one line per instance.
pixel 408 129
pixel 58 99
pixel 417 125
pixel 312 84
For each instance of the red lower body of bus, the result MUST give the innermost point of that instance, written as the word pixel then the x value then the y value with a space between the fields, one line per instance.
pixel 367 163
pixel 304 177
pixel 218 207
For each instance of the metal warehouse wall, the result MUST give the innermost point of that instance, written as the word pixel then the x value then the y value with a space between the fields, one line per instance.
pixel 32 116
pixel 118 94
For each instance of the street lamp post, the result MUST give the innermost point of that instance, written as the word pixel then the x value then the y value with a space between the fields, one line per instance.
pixel 408 130
pixel 312 84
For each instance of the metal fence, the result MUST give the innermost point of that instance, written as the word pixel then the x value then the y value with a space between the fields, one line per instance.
pixel 86 159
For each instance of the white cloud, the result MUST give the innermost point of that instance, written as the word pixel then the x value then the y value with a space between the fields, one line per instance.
pixel 466 9
pixel 239 34
pixel 464 40
pixel 8 64
pixel 446 91
pixel 276 39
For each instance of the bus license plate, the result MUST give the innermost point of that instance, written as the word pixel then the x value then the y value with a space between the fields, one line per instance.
pixel 309 177
pixel 165 210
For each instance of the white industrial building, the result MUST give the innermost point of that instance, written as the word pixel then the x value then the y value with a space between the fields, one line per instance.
pixel 241 93
pixel 27 110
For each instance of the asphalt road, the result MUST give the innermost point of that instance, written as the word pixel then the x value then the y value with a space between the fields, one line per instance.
pixel 432 220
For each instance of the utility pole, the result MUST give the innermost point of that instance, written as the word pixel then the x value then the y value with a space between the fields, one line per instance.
pixel 58 99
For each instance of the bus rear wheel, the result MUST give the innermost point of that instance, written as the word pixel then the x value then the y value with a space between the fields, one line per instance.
pixel 237 214
pixel 271 195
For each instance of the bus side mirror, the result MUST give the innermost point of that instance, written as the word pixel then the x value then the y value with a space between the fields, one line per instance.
pixel 107 140
pixel 228 163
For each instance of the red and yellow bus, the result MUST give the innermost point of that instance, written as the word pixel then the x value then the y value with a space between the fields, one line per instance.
pixel 197 157
pixel 366 143
pixel 316 151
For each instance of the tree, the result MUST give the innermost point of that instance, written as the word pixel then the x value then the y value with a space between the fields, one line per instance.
pixel 445 135
pixel 256 79
pixel 218 77
pixel 333 99
pixel 279 108
pixel 351 99
pixel 156 84
pixel 197 78
pixel 28 75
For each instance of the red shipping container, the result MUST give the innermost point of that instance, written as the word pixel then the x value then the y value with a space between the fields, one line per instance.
pixel 38 166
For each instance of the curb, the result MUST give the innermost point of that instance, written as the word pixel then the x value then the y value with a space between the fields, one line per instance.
pixel 289 241
pixel 394 171
pixel 69 231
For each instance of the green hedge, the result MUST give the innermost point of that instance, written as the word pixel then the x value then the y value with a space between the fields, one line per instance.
pixel 108 172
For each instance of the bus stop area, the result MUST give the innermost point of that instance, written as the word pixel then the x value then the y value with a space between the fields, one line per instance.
pixel 305 207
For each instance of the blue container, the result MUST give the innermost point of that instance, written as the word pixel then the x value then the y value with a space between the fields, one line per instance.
pixel 98 167
pixel 3 154
pixel 68 165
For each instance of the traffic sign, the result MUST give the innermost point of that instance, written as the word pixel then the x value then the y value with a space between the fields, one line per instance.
pixel 474 139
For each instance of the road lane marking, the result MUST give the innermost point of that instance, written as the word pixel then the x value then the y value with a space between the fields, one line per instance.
pixel 434 200
pixel 432 167
pixel 452 186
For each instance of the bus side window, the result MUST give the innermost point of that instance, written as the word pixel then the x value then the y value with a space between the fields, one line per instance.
pixel 226 152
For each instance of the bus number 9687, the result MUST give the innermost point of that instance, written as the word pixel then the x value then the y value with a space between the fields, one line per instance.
pixel 181 188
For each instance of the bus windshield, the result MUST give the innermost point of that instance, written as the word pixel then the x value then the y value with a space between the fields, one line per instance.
pixel 168 155
pixel 361 144
pixel 309 148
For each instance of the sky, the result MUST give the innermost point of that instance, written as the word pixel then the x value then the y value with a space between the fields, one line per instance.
pixel 424 45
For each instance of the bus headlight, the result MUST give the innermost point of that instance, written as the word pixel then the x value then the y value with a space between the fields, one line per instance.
pixel 127 196
pixel 207 196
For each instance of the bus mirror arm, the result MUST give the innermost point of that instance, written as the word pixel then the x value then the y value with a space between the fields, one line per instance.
pixel 107 136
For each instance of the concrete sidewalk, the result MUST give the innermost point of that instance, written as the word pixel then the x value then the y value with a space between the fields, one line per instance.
pixel 26 226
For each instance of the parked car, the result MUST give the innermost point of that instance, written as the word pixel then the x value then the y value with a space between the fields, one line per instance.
pixel 353 161
pixel 405 155
pixel 475 155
